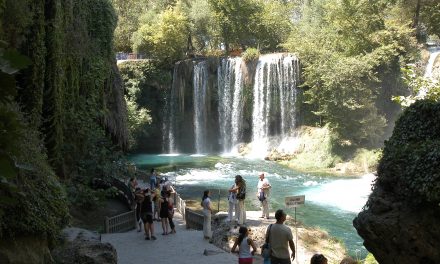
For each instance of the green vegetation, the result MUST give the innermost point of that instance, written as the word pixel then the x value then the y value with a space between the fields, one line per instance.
pixel 411 158
pixel 420 87
pixel 63 116
pixel 145 84
pixel 345 48
pixel 250 54
pixel 167 30
pixel 316 151
pixel 164 37
pixel 370 259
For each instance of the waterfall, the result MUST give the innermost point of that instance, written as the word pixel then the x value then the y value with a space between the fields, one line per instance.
pixel 200 79
pixel 230 89
pixel 172 109
pixel 274 96
pixel 268 95
pixel 434 53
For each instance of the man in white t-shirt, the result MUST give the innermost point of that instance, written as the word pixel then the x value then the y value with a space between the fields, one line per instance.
pixel 280 239
pixel 263 195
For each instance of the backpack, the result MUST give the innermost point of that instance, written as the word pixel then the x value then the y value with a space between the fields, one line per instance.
pixel 241 195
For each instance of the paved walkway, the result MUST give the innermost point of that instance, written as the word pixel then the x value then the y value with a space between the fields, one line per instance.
pixel 185 247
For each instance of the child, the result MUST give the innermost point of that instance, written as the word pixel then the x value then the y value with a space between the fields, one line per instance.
pixel 244 243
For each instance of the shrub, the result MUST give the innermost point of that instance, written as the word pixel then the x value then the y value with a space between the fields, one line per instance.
pixel 40 204
pixel 370 259
pixel 250 54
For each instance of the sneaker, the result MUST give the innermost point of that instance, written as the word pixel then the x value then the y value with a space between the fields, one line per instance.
pixel 153 238
pixel 147 238
pixel 262 216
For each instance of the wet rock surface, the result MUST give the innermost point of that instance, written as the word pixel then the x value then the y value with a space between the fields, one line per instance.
pixel 83 246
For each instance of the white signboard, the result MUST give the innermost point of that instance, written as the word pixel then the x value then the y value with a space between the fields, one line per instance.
pixel 295 201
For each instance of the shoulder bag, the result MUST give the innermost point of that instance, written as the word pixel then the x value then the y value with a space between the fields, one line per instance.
pixel 266 250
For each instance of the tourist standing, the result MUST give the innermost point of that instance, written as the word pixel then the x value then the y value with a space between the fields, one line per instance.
pixel 147 215
pixel 244 243
pixel 241 196
pixel 139 198
pixel 232 202
pixel 207 211
pixel 280 238
pixel 156 201
pixel 170 212
pixel 263 188
pixel 164 212
pixel 132 184
pixel 153 178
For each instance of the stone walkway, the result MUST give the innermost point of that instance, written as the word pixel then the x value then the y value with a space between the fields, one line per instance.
pixel 187 246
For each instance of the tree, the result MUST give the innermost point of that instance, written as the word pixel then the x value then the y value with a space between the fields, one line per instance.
pixel 128 12
pixel 164 38
pixel 236 21
pixel 274 24
pixel 343 44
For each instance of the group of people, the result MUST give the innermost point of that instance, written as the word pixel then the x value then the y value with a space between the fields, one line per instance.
pixel 279 237
pixel 237 196
pixel 154 203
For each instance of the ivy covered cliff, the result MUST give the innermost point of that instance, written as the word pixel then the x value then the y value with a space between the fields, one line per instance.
pixel 63 113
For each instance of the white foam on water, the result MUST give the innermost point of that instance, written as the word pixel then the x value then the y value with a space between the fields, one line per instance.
pixel 169 155
pixel 347 194
pixel 310 183
pixel 198 155
pixel 198 176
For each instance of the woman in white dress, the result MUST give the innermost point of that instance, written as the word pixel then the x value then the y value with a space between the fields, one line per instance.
pixel 207 211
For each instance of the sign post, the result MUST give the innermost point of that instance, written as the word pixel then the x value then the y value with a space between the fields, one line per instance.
pixel 294 202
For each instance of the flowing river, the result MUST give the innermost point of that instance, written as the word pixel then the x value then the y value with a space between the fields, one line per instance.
pixel 331 202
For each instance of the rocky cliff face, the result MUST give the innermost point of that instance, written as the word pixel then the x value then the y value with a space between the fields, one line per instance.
pixel 400 220
pixel 397 233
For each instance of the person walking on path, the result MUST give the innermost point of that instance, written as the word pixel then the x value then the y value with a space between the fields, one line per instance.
pixel 244 243
pixel 263 187
pixel 232 202
pixel 147 215
pixel 280 239
pixel 241 196
pixel 207 211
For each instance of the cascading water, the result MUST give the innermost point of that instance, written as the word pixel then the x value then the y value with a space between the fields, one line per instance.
pixel 230 90
pixel 172 112
pixel 200 79
pixel 201 130
pixel 274 96
pixel 434 53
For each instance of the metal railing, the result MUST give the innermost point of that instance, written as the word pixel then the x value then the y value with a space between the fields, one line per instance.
pixel 127 221
pixel 129 56
pixel 194 219
pixel 120 223
pixel 180 205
